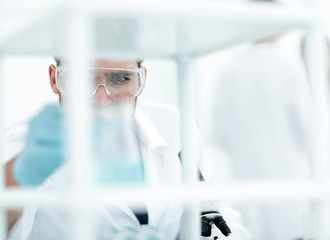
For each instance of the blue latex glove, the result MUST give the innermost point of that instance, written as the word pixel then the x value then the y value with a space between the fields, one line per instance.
pixel 44 148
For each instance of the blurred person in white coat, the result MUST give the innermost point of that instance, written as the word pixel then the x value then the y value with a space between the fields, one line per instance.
pixel 158 134
pixel 261 119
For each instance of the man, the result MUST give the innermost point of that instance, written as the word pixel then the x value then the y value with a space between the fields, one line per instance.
pixel 38 163
pixel 160 147
pixel 158 134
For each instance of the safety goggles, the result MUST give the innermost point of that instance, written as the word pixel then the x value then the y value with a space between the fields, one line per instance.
pixel 118 83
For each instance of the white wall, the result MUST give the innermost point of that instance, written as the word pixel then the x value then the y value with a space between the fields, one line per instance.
pixel 27 87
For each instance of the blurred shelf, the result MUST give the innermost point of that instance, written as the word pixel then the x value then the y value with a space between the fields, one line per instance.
pixel 146 29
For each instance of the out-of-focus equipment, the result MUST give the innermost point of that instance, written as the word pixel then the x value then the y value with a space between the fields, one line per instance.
pixel 210 218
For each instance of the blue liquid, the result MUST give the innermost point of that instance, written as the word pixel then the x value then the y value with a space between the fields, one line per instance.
pixel 119 172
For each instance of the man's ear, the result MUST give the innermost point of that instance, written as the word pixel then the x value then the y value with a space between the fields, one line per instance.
pixel 52 80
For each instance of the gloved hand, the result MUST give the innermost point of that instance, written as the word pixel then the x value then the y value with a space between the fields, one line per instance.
pixel 43 152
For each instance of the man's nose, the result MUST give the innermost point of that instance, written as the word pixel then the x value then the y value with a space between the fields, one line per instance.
pixel 101 97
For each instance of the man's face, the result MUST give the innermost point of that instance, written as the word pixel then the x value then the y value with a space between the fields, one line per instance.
pixel 112 81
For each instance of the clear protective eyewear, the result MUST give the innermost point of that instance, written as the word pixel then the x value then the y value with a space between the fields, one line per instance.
pixel 119 83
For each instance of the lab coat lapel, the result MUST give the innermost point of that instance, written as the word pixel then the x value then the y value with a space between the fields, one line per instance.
pixel 153 148
pixel 120 215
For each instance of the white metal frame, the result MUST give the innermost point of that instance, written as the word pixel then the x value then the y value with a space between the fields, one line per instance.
pixel 78 114
pixel 190 228
pixel 316 55
pixel 84 197
pixel 3 220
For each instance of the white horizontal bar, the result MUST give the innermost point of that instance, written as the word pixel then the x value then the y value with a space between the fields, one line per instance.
pixel 205 9
pixel 243 193
pixel 274 19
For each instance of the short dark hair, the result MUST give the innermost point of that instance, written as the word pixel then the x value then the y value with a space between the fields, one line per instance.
pixel 58 62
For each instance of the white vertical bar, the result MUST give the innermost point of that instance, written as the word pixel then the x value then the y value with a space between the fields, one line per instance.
pixel 186 78
pixel 316 58
pixel 190 222
pixel 308 226
pixel 2 92
pixel 78 108
pixel 3 218
pixel 78 113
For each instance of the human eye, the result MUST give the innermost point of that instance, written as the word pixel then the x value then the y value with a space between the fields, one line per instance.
pixel 119 78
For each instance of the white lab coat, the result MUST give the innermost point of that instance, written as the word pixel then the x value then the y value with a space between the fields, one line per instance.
pixel 261 119
pixel 262 114
pixel 158 132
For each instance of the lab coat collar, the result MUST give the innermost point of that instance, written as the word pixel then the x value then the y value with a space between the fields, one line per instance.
pixel 147 131
pixel 155 147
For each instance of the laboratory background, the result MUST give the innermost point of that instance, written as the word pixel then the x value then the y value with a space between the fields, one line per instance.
pixel 259 98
